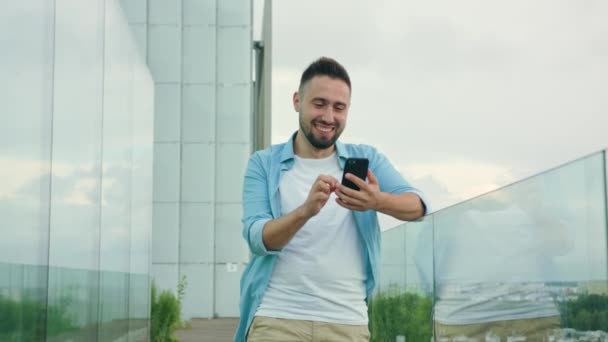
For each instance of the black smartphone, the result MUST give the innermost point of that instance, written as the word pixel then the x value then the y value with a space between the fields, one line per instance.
pixel 356 166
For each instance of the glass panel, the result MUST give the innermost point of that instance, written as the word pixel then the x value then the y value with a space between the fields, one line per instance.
pixel 234 100
pixel 197 226
pixel 141 203
pixel 26 88
pixel 230 246
pixel 119 56
pixel 234 116
pixel 166 172
pixel 199 54
pixel 165 276
pixel 525 261
pixel 140 33
pixel 167 99
pixel 393 258
pixel 197 177
pixel 227 278
pixel 77 123
pixel 198 296
pixel 198 113
pixel 234 55
pixel 166 232
pixel 135 10
pixel 165 12
pixel 164 53
pixel 234 12
pixel 199 12
pixel 402 306
pixel 230 171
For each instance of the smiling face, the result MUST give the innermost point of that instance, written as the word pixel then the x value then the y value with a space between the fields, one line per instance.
pixel 323 104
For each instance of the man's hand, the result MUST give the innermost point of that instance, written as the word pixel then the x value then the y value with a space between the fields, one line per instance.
pixel 405 206
pixel 366 198
pixel 321 189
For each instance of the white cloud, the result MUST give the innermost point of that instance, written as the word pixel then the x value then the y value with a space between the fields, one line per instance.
pixel 460 179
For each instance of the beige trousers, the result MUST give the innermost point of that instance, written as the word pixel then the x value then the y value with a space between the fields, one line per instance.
pixel 534 329
pixel 267 329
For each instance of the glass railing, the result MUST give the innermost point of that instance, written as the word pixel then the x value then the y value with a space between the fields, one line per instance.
pixel 73 308
pixel 527 262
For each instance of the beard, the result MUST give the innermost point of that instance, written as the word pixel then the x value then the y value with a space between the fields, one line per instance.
pixel 321 142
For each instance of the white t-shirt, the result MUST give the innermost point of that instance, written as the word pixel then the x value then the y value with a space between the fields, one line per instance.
pixel 320 274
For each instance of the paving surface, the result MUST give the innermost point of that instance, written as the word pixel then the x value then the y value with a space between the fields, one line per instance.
pixel 208 330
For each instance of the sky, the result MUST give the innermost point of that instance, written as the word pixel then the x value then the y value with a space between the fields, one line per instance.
pixel 463 97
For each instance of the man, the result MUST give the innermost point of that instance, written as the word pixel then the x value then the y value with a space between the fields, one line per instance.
pixel 315 243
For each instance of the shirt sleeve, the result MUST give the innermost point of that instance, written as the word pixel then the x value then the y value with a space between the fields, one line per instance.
pixel 392 181
pixel 256 205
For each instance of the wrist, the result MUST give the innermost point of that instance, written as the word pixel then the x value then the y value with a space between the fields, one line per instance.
pixel 302 214
pixel 381 199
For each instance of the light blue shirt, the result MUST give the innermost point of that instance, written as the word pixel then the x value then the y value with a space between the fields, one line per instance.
pixel 262 203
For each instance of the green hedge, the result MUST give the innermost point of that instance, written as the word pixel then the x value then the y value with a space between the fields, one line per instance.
pixel 589 312
pixel 24 319
pixel 393 313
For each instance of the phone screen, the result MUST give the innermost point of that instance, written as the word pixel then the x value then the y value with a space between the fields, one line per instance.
pixel 356 166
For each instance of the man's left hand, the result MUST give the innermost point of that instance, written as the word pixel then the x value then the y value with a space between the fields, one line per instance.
pixel 365 199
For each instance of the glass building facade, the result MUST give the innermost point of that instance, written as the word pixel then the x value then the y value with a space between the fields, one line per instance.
pixel 199 53
pixel 532 251
pixel 76 140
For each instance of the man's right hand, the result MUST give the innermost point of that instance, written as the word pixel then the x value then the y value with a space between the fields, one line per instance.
pixel 319 193
pixel 278 232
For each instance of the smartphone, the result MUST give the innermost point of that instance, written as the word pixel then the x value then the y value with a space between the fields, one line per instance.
pixel 356 166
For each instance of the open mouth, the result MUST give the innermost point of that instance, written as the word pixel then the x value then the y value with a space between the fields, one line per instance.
pixel 324 128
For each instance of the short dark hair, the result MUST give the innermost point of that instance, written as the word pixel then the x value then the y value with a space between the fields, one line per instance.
pixel 325 66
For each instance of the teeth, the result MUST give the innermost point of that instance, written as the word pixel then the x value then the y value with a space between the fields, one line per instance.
pixel 325 129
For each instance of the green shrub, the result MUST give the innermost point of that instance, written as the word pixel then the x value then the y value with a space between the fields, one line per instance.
pixel 393 313
pixel 588 312
pixel 165 315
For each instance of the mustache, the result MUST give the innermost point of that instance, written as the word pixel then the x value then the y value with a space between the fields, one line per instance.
pixel 323 122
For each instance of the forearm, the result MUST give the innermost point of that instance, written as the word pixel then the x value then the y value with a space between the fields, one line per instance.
pixel 278 232
pixel 406 207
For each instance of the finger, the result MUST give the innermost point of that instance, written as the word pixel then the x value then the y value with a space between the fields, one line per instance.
pixel 371 177
pixel 327 179
pixel 351 200
pixel 321 197
pixel 344 190
pixel 348 206
pixel 342 203
pixel 358 181
pixel 321 186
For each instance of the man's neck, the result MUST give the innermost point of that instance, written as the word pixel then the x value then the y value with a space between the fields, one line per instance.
pixel 303 149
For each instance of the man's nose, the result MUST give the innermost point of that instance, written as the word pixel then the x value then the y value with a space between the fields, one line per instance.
pixel 328 114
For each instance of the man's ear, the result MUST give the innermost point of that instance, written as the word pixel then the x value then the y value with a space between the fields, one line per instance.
pixel 296 101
